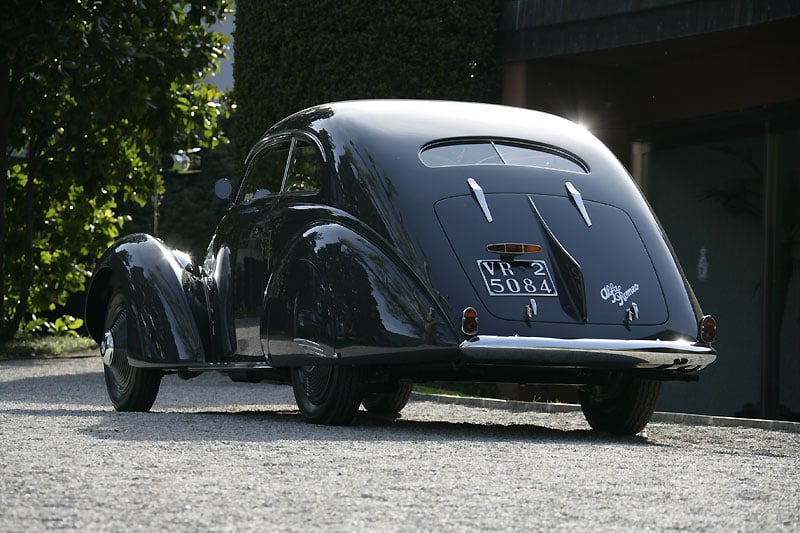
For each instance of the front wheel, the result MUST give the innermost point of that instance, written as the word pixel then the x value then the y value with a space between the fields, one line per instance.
pixel 129 388
pixel 328 394
pixel 623 405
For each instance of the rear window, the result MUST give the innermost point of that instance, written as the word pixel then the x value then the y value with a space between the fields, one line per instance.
pixel 499 153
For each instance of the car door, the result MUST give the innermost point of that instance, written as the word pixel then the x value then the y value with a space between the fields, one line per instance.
pixel 295 292
pixel 259 228
pixel 246 234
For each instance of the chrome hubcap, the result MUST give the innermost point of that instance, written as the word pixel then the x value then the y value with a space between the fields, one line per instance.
pixel 107 348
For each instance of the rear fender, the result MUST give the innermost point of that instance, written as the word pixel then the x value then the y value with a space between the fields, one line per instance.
pixel 168 303
pixel 338 296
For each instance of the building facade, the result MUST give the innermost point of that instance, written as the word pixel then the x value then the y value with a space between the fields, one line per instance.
pixel 700 99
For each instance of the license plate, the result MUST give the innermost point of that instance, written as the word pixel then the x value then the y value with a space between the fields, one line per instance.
pixel 517 278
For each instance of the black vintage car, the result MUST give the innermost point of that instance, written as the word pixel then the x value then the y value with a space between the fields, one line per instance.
pixel 413 241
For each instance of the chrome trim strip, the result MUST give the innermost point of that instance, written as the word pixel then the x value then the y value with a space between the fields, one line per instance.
pixel 480 197
pixel 202 367
pixel 578 199
pixel 310 347
pixel 589 352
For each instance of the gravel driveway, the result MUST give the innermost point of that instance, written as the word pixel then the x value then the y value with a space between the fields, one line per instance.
pixel 221 456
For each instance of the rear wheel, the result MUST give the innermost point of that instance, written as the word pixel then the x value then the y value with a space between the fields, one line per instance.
pixel 388 402
pixel 623 405
pixel 328 394
pixel 129 388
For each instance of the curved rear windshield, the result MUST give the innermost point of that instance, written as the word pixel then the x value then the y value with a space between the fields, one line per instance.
pixel 498 153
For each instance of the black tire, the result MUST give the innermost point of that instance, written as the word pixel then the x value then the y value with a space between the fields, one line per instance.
pixel 328 394
pixel 388 402
pixel 129 388
pixel 622 406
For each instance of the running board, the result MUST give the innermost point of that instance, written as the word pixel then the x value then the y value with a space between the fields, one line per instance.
pixel 232 366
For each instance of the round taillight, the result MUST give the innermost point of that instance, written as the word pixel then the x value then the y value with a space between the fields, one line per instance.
pixel 469 321
pixel 708 329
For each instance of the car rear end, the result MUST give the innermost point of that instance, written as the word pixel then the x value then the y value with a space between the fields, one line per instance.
pixel 539 246
pixel 539 250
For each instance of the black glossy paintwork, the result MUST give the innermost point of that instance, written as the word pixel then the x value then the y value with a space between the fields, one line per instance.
pixel 399 193
pixel 378 265
pixel 341 290
pixel 167 302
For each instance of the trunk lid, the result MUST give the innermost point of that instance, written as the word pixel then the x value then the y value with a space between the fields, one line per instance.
pixel 592 265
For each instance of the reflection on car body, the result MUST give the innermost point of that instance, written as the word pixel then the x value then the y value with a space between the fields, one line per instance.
pixel 413 241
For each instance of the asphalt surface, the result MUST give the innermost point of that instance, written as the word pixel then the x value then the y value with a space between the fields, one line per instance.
pixel 221 456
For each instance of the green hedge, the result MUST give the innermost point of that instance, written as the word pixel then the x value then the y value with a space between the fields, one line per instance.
pixel 294 54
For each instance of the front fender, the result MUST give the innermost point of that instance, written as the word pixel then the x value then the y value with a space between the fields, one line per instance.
pixel 167 302
pixel 340 296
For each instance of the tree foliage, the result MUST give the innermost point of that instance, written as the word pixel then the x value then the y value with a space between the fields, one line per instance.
pixel 95 89
pixel 188 209
pixel 291 55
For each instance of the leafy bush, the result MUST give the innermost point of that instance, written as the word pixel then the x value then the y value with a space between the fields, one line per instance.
pixel 92 91
pixel 45 345
pixel 64 325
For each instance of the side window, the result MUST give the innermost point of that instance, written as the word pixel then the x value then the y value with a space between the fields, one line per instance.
pixel 305 169
pixel 265 173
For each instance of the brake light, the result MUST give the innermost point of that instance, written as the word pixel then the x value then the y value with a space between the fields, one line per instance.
pixel 469 321
pixel 708 329
pixel 513 248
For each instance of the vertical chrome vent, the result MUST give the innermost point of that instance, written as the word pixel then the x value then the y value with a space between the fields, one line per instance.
pixel 477 192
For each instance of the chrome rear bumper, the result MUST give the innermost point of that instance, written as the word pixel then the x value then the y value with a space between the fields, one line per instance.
pixel 588 353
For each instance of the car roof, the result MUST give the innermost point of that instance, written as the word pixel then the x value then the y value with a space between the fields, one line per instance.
pixel 418 122
pixel 374 147
pixel 379 142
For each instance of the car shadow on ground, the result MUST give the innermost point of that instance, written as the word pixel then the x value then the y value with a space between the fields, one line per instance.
pixel 260 414
pixel 285 424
